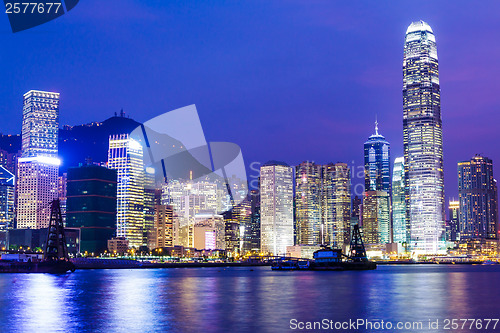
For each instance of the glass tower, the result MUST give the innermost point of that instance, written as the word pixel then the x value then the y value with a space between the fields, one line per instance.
pixel 126 156
pixel 377 163
pixel 477 192
pixel 400 227
pixel 276 207
pixel 336 205
pixel 423 140
pixel 38 168
pixel 308 186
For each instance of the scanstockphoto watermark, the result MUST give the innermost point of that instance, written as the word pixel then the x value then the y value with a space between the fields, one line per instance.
pixel 447 324
pixel 356 174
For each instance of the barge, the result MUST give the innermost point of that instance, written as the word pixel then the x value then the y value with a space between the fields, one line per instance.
pixel 328 259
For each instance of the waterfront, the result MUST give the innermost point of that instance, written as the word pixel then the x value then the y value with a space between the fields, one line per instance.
pixel 241 298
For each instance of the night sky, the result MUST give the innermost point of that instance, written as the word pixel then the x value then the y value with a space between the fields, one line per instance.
pixel 286 80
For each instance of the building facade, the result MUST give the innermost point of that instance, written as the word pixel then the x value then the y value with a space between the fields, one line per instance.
pixel 453 227
pixel 477 191
pixel 276 207
pixel 7 183
pixel 376 221
pixel 38 166
pixel 400 226
pixel 377 163
pixel 336 205
pixel 91 196
pixel 125 155
pixel 308 203
pixel 423 140
pixel 163 226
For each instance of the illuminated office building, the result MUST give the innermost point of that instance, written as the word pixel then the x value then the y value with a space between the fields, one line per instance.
pixel 336 205
pixel 149 206
pixel 38 166
pixel 91 205
pixel 6 199
pixel 163 226
pixel 125 155
pixel 377 163
pixel 400 226
pixel 423 140
pixel 276 207
pixel 308 192
pixel 453 227
pixel 376 220
pixel 477 191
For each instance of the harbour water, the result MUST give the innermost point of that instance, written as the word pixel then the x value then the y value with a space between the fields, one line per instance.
pixel 245 299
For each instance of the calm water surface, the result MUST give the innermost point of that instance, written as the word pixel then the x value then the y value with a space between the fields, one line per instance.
pixel 241 300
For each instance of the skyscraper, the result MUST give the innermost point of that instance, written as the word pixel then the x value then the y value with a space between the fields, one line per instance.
pixel 376 221
pixel 477 191
pixel 453 227
pixel 91 205
pixel 38 168
pixel 336 204
pixel 423 139
pixel 308 192
pixel 377 163
pixel 126 156
pixel 400 227
pixel 276 195
pixel 6 199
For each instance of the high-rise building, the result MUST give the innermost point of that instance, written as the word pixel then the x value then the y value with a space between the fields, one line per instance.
pixel 6 199
pixel 252 234
pixel 336 205
pixel 377 163
pixel 423 140
pixel 149 206
pixel 38 168
pixel 477 191
pixel 400 226
pixel 91 205
pixel 125 155
pixel 163 226
pixel 308 199
pixel 276 207
pixel 376 221
pixel 453 227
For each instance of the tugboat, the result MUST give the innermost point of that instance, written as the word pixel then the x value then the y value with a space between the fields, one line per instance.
pixel 56 260
pixel 328 259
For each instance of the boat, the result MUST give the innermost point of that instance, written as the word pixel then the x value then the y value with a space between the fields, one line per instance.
pixel 328 259
pixel 284 265
pixel 55 259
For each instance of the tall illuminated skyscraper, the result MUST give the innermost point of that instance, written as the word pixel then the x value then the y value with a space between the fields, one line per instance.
pixel 336 205
pixel 423 140
pixel 477 191
pixel 377 163
pixel 126 156
pixel 376 219
pixel 38 168
pixel 308 192
pixel 453 228
pixel 276 207
pixel 400 227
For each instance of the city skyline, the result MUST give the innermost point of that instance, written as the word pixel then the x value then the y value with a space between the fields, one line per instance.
pixel 368 83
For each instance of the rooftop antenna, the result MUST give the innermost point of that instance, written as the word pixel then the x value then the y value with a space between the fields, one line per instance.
pixel 376 125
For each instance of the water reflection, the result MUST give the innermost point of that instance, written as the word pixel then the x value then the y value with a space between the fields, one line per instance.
pixel 240 299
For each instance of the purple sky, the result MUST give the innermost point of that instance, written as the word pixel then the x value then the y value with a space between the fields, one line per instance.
pixel 286 80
